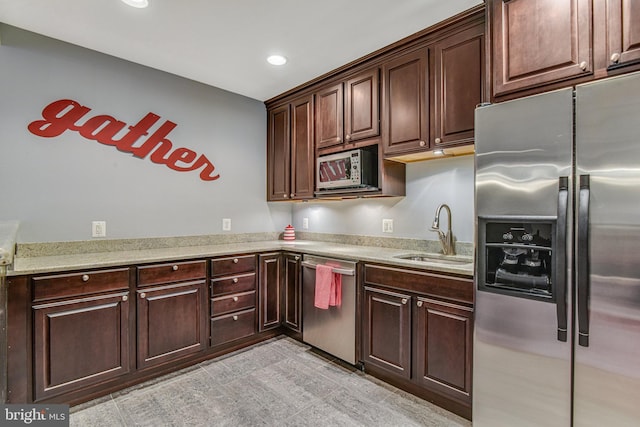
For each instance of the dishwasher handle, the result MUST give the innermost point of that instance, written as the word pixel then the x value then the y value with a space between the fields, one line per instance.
pixel 339 270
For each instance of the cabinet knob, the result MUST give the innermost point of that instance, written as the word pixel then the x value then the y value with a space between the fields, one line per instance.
pixel 235 299
pixel 124 297
pixel 235 260
pixel 85 277
pixel 404 301
pixel 438 140
pixel 422 143
pixel 615 57
pixel 286 196
pixel 143 295
pixel 583 65
pixel 419 304
pixel 348 137
pixel 235 317
pixel 297 257
pixel 235 280
pixel 175 268
pixel 292 195
pixel 338 139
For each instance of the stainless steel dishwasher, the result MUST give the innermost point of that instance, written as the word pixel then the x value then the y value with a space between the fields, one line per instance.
pixel 332 330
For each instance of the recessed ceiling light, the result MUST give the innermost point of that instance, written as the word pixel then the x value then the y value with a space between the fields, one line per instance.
pixel 277 60
pixel 137 3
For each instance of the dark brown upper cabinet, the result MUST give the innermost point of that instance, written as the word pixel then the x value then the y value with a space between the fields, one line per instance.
pixel 290 151
pixel 459 64
pixel 536 42
pixel 623 32
pixel 406 103
pixel 539 45
pixel 348 111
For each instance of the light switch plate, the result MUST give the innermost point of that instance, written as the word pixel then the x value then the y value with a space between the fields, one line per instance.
pixel 387 226
pixel 226 224
pixel 305 223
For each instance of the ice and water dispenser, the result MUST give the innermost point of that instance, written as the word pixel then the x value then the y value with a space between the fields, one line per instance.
pixel 516 257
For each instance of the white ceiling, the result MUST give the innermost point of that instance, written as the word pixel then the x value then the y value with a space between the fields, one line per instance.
pixel 224 43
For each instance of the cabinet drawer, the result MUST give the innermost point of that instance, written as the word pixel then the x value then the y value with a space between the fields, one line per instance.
pixel 459 289
pixel 233 284
pixel 233 265
pixel 235 302
pixel 233 326
pixel 77 284
pixel 171 272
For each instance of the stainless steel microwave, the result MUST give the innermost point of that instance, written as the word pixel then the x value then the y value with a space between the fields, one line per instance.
pixel 348 169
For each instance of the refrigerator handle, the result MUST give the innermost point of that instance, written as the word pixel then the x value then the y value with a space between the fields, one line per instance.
pixel 583 262
pixel 561 258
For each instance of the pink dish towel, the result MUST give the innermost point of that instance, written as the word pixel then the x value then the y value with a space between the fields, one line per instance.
pixel 328 290
pixel 336 290
pixel 324 279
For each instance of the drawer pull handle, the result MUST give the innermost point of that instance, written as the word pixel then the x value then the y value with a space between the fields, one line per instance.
pixel 419 303
pixel 235 299
pixel 85 277
pixel 235 260
pixel 235 317
pixel 124 297
pixel 143 295
pixel 175 268
pixel 235 280
pixel 404 301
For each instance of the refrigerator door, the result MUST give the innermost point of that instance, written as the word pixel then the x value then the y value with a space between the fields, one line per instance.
pixel 521 371
pixel 607 355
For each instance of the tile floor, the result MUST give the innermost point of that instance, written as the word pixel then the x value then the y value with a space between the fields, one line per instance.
pixel 280 382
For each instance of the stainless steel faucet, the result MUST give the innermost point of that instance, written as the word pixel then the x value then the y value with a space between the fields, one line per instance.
pixel 448 247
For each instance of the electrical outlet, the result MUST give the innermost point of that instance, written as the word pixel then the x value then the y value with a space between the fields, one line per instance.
pixel 387 226
pixel 305 223
pixel 226 224
pixel 98 229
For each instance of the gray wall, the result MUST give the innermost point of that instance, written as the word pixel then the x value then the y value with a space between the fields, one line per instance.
pixel 57 186
pixel 449 180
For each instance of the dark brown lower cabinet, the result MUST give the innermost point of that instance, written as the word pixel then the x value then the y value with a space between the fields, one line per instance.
pixel 269 290
pixel 292 292
pixel 171 322
pixel 80 342
pixel 444 338
pixel 387 331
pixel 417 333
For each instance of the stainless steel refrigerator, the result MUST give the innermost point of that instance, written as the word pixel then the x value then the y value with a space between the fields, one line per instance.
pixel 557 326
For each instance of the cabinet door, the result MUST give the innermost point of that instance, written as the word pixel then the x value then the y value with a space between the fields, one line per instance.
pixel 623 31
pixel 444 334
pixel 79 343
pixel 329 105
pixel 172 322
pixel 269 291
pixel 302 152
pixel 362 106
pixel 536 42
pixel 459 86
pixel 292 296
pixel 386 331
pixel 278 156
pixel 405 100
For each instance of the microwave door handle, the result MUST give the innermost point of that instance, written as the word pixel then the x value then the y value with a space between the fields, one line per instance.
pixel 561 258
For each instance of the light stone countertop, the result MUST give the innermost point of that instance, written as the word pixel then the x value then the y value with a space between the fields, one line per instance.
pixel 58 263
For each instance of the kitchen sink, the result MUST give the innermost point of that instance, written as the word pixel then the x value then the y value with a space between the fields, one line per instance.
pixel 436 259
